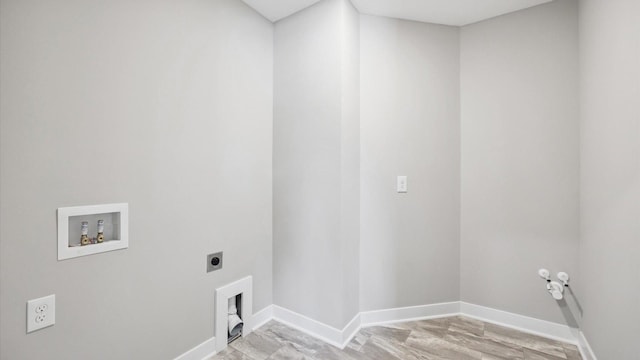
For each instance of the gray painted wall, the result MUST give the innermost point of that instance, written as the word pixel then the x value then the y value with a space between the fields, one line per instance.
pixel 315 163
pixel 520 164
pixel 167 107
pixel 410 126
pixel 350 160
pixel 610 176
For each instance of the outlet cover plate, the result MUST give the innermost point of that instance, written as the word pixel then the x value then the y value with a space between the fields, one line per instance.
pixel 401 184
pixel 214 261
pixel 41 313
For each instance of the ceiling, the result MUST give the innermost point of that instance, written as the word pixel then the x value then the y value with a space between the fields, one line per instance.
pixel 446 12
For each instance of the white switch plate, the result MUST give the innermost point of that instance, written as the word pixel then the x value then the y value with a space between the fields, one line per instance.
pixel 401 186
pixel 41 313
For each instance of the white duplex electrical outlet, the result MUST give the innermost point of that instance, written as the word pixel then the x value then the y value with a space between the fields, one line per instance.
pixel 41 313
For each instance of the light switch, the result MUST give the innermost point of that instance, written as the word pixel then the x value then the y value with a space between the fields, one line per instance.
pixel 402 184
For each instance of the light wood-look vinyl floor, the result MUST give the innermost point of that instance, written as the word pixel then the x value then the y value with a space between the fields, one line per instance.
pixel 451 338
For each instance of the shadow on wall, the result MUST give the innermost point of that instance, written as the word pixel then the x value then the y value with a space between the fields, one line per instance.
pixel 568 310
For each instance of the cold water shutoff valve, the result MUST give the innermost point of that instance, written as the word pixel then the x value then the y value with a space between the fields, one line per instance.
pixel 555 288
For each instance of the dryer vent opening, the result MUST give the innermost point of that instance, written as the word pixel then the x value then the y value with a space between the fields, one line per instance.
pixel 235 322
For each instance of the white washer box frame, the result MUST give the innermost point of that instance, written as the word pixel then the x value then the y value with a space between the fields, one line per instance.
pixel 64 213
pixel 243 286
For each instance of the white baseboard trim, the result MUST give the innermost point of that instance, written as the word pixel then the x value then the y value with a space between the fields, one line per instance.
pixel 351 329
pixel 340 338
pixel 261 317
pixel 208 348
pixel 585 349
pixel 201 352
pixel 410 313
pixel 326 333
pixel 523 323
